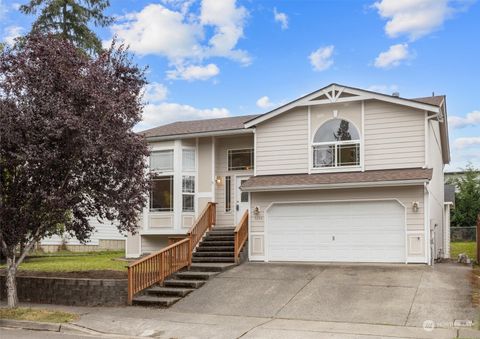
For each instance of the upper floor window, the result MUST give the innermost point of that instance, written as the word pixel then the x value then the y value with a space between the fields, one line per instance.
pixel 161 194
pixel 188 159
pixel 161 161
pixel 336 144
pixel 240 159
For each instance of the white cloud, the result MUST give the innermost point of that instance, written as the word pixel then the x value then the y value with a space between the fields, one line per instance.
pixel 264 102
pixel 416 18
pixel 281 18
pixel 471 119
pixel 164 113
pixel 464 142
pixel 11 33
pixel 386 89
pixel 228 21
pixel 194 72
pixel 393 57
pixel 155 92
pixel 186 38
pixel 321 59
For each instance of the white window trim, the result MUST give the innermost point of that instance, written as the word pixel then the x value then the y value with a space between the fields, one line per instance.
pixel 156 148
pixel 241 149
pixel 192 173
pixel 350 168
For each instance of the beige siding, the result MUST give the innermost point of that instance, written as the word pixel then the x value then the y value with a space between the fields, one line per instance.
pixel 394 136
pixel 205 165
pixel 406 195
pixel 282 144
pixel 222 145
pixel 152 243
pixel 132 245
pixel 436 187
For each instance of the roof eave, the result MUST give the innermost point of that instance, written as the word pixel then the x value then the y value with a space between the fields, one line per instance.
pixel 200 134
pixel 389 183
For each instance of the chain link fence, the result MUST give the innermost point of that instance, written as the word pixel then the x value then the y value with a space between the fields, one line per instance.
pixel 463 233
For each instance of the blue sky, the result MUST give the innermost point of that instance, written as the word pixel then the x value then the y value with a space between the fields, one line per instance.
pixel 211 58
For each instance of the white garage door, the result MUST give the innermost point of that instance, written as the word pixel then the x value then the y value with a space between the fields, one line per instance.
pixel 367 231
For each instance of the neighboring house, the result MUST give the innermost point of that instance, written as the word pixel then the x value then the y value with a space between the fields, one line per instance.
pixel 105 237
pixel 449 204
pixel 341 174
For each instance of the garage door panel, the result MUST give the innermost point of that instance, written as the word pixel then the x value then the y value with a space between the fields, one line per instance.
pixel 339 231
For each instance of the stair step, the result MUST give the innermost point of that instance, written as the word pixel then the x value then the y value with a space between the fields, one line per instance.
pixel 215 248
pixel 168 291
pixel 183 283
pixel 211 266
pixel 219 237
pixel 222 229
pixel 150 300
pixel 213 254
pixel 220 233
pixel 217 243
pixel 195 275
pixel 213 259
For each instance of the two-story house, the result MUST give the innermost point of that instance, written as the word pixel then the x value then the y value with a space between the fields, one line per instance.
pixel 339 175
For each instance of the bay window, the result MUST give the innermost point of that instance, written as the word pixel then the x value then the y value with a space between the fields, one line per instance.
pixel 188 193
pixel 161 194
pixel 336 144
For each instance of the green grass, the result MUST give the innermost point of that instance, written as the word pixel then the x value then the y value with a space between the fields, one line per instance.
pixel 468 247
pixel 33 314
pixel 74 261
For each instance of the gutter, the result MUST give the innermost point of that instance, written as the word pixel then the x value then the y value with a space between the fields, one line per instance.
pixel 333 186
pixel 200 134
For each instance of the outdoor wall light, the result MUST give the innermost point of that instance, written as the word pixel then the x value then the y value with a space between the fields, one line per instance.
pixel 256 210
pixel 415 206
pixel 218 180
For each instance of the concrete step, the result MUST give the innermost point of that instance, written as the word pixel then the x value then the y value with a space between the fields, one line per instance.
pixel 217 243
pixel 211 266
pixel 213 254
pixel 215 249
pixel 222 229
pixel 168 291
pixel 184 283
pixel 195 275
pixel 219 237
pixel 212 259
pixel 150 300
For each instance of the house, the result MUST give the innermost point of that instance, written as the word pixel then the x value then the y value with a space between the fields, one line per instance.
pixel 105 237
pixel 339 175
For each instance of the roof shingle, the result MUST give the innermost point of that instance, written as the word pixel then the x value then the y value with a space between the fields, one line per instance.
pixel 198 126
pixel 305 180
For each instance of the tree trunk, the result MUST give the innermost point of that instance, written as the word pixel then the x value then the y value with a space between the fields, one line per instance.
pixel 12 298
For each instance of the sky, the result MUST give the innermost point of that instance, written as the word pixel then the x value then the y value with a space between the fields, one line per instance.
pixel 219 58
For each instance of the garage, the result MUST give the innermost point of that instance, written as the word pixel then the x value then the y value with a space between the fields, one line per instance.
pixel 345 231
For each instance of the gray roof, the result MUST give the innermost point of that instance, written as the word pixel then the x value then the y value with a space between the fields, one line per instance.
pixel 449 193
pixel 304 180
pixel 198 126
pixel 435 100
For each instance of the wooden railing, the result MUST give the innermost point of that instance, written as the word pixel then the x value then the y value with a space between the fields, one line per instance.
pixel 154 268
pixel 203 223
pixel 241 235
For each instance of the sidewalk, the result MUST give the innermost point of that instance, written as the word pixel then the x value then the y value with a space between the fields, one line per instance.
pixel 160 323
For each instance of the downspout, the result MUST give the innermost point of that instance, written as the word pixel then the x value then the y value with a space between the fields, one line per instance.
pixel 428 234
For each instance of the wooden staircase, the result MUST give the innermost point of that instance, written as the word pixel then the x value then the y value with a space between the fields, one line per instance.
pixel 213 255
pixel 164 277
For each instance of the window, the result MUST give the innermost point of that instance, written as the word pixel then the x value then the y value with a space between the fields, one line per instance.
pixel 188 160
pixel 161 195
pixel 161 161
pixel 228 194
pixel 240 159
pixel 336 144
pixel 188 193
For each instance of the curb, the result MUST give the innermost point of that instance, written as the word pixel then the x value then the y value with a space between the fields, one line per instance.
pixel 44 326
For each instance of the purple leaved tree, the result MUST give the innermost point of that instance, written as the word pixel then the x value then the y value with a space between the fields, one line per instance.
pixel 67 149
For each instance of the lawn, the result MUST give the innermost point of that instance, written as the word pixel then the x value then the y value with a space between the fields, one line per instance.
pixel 74 262
pixel 467 247
pixel 33 314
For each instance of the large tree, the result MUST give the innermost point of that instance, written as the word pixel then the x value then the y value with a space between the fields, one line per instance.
pixel 70 19
pixel 467 197
pixel 67 149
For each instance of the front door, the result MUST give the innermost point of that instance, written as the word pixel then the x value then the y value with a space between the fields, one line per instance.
pixel 242 203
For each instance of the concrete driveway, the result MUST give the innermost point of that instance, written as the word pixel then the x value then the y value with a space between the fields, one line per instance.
pixel 402 295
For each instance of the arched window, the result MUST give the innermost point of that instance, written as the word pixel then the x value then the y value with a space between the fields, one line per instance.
pixel 336 144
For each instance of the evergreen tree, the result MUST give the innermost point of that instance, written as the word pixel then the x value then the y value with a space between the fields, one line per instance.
pixel 69 19
pixel 467 198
